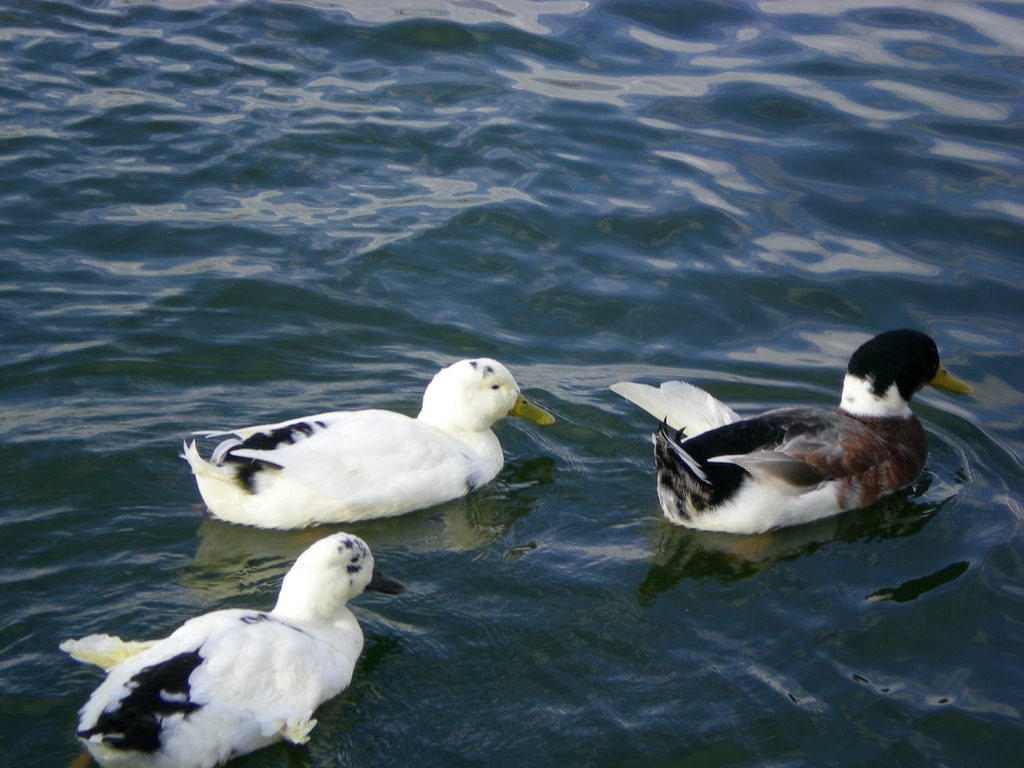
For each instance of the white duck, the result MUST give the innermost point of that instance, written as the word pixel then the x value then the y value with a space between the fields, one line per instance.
pixel 346 466
pixel 230 682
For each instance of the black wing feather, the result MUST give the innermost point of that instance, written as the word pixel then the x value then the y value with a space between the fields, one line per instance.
pixel 155 692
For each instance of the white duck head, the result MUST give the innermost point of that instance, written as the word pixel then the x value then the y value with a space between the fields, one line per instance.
pixel 327 575
pixel 471 395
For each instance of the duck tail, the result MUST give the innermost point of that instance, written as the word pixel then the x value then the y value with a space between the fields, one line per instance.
pixel 203 468
pixel 680 404
pixel 103 651
pixel 684 489
pixel 667 447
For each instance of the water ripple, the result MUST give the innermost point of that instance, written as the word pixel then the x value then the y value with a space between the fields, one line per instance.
pixel 216 212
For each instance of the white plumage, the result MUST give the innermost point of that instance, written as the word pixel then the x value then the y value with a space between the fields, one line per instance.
pixel 680 404
pixel 345 466
pixel 230 682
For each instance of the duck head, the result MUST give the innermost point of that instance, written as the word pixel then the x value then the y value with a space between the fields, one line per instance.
pixel 888 370
pixel 472 395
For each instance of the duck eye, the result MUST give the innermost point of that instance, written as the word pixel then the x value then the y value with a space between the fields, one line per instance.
pixel 495 386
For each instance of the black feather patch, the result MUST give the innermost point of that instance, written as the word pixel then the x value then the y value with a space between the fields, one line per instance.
pixel 488 369
pixel 286 435
pixel 248 468
pixel 155 692
pixel 258 618
pixel 246 472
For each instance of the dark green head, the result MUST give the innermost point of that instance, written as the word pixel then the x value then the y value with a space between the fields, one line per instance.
pixel 907 358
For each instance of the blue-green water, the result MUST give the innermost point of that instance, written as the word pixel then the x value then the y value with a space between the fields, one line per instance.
pixel 218 214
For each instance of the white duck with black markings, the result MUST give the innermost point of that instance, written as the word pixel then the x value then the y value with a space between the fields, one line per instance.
pixel 233 681
pixel 346 466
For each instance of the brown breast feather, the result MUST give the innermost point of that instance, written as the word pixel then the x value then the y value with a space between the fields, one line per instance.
pixel 869 457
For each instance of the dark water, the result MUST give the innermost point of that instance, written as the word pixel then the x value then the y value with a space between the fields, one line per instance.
pixel 218 214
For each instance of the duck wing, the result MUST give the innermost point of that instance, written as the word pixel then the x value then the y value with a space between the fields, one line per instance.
pixel 796 448
pixel 281 431
pixel 364 455
pixel 281 672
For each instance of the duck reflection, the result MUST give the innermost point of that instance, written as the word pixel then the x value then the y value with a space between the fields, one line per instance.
pixel 681 553
pixel 233 561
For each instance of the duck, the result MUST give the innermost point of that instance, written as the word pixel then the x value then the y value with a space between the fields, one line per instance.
pixel 232 681
pixel 349 466
pixel 719 472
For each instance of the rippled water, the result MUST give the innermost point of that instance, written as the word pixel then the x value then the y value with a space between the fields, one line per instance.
pixel 217 214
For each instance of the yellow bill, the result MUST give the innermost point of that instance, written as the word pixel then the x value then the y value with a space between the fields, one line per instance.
pixel 943 379
pixel 524 409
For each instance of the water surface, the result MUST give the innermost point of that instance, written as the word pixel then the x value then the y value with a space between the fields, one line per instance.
pixel 218 214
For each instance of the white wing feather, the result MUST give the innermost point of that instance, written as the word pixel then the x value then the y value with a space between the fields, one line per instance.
pixel 281 673
pixel 682 405
pixel 367 457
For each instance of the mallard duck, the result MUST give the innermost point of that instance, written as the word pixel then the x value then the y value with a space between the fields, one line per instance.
pixel 230 682
pixel 718 472
pixel 346 466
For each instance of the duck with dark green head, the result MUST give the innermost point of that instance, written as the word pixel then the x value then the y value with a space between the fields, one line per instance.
pixel 719 472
